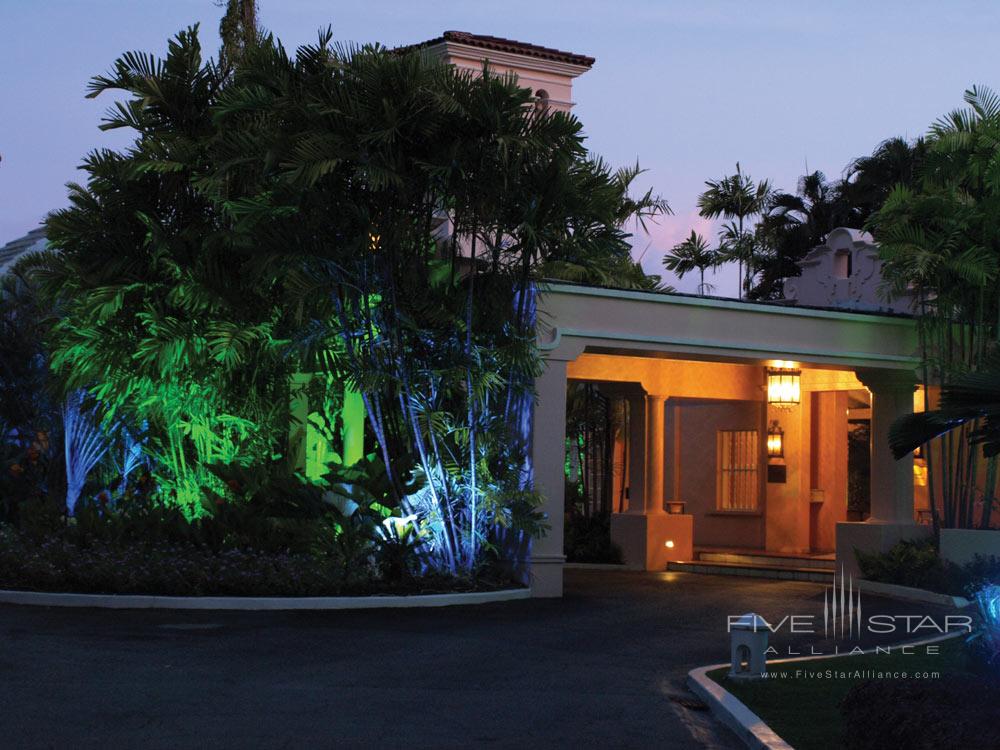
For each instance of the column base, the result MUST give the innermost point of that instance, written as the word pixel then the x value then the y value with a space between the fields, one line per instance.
pixel 871 536
pixel 644 538
pixel 546 576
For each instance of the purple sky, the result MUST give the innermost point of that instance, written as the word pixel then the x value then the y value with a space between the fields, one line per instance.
pixel 687 88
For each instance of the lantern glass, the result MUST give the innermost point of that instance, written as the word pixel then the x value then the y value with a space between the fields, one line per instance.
pixel 775 441
pixel 784 387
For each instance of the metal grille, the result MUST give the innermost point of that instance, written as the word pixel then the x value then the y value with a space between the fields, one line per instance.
pixel 738 459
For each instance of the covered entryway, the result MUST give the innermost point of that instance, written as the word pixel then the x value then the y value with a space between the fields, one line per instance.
pixel 695 472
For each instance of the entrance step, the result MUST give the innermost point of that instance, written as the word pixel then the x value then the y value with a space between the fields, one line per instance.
pixel 825 562
pixel 754 570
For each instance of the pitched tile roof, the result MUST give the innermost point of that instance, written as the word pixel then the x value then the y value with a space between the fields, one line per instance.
pixel 499 44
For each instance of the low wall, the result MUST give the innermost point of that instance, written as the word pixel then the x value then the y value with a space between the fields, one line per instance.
pixel 960 546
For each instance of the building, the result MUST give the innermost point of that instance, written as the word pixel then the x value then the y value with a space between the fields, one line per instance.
pixel 691 375
pixel 739 417
pixel 13 251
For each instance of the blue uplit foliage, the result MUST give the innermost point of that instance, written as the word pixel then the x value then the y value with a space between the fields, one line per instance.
pixel 85 445
pixel 984 643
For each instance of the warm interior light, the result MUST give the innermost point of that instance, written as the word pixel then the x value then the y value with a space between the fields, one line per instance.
pixel 784 387
pixel 669 544
pixel 775 441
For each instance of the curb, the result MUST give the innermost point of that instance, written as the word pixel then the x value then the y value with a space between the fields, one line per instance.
pixel 747 725
pixel 258 603
pixel 907 593
pixel 732 712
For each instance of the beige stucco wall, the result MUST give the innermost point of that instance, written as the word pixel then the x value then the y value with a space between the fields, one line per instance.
pixel 671 377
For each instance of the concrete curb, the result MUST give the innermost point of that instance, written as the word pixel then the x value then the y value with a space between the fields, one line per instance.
pixel 257 603
pixel 906 593
pixel 747 725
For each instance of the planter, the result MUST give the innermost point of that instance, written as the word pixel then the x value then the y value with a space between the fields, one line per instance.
pixel 141 601
pixel 961 546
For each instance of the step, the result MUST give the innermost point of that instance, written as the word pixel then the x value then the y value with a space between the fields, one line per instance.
pixel 743 558
pixel 782 572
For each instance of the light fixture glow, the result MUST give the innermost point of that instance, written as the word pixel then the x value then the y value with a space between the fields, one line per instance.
pixel 784 387
pixel 775 441
pixel 669 544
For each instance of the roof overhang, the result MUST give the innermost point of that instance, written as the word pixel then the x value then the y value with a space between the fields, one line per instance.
pixel 576 319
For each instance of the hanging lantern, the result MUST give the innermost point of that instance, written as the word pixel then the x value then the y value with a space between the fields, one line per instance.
pixel 784 387
pixel 775 441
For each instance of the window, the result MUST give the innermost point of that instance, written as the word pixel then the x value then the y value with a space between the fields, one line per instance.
pixel 842 264
pixel 737 481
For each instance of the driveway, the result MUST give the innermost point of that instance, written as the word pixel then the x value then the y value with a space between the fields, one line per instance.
pixel 602 667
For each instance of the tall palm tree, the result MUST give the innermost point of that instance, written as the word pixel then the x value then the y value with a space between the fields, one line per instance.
pixel 693 254
pixel 239 30
pixel 739 199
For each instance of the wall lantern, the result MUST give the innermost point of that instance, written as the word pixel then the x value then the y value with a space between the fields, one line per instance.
pixel 784 387
pixel 775 441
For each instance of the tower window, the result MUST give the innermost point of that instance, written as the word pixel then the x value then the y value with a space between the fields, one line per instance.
pixel 842 262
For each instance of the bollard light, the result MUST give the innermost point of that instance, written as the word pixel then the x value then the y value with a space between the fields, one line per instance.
pixel 748 647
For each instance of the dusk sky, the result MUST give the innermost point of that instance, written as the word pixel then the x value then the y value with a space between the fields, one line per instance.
pixel 686 88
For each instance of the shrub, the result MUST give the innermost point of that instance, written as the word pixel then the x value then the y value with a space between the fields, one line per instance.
pixel 588 539
pixel 58 563
pixel 918 563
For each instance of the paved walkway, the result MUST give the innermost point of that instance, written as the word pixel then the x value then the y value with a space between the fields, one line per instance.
pixel 595 669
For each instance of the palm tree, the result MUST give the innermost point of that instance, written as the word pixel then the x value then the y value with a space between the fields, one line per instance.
pixel 690 255
pixel 795 223
pixel 868 180
pixel 738 198
pixel 239 31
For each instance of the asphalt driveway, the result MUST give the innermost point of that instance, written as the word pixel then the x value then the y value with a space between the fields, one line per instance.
pixel 603 667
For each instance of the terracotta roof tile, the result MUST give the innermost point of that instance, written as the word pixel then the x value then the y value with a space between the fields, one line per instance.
pixel 499 44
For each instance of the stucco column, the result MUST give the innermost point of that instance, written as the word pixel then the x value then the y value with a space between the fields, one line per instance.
pixel 548 456
pixel 637 454
pixel 891 480
pixel 653 501
pixel 891 517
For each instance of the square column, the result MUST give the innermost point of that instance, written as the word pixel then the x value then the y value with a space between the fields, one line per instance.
pixel 892 518
pixel 548 460
pixel 648 536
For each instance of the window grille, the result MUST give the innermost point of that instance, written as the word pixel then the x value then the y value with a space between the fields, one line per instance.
pixel 738 459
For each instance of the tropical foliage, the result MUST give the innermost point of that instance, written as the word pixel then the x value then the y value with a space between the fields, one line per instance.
pixel 940 241
pixel 289 233
pixel 693 254
pixel 738 199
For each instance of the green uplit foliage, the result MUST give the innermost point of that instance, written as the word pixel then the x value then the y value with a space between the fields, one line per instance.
pixel 166 320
